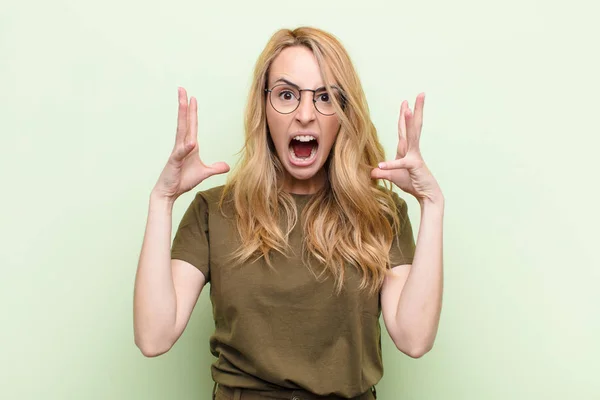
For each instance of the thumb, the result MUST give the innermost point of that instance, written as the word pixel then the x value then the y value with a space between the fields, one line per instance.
pixel 377 173
pixel 218 168
pixel 401 163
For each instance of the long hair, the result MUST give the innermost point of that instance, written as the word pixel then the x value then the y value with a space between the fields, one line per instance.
pixel 351 220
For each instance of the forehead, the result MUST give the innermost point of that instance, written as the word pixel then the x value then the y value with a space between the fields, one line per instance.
pixel 298 65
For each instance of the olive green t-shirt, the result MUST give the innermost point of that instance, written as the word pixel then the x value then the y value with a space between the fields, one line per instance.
pixel 284 329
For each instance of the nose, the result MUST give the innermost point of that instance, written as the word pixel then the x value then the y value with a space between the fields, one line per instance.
pixel 306 109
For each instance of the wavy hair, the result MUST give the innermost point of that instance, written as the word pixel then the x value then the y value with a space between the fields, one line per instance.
pixel 351 221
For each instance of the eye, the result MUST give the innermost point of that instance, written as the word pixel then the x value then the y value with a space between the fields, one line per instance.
pixel 323 97
pixel 286 95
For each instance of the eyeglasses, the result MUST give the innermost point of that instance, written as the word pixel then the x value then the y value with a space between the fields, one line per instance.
pixel 285 98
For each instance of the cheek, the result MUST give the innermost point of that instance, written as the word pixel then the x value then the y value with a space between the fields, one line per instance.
pixel 270 120
pixel 331 131
pixel 276 125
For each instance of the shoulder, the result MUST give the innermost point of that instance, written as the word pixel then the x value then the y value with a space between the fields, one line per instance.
pixel 211 196
pixel 210 201
pixel 398 201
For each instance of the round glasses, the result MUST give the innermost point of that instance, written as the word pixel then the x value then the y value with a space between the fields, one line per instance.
pixel 285 98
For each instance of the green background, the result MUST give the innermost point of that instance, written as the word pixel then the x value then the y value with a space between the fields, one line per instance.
pixel 88 105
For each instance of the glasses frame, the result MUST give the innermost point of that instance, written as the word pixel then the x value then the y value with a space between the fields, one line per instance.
pixel 314 91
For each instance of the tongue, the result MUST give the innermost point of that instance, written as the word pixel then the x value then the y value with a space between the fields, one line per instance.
pixel 302 149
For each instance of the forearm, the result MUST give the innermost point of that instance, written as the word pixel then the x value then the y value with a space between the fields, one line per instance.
pixel 155 302
pixel 419 305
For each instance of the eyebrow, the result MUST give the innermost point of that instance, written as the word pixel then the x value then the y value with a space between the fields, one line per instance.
pixel 296 86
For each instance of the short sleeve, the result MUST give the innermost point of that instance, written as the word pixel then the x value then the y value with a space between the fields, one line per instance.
pixel 191 238
pixel 403 246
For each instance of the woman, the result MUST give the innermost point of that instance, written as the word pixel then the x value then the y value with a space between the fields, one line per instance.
pixel 303 246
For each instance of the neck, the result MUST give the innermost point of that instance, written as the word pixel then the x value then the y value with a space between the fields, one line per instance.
pixel 304 186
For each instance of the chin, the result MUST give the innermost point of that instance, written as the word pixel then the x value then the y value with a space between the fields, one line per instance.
pixel 302 173
pixel 305 174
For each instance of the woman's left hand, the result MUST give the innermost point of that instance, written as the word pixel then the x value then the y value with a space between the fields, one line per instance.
pixel 408 171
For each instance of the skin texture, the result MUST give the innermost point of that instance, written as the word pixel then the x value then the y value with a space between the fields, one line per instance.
pixel 411 296
pixel 166 290
pixel 298 65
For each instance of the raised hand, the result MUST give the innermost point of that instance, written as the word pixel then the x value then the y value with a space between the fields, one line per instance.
pixel 408 171
pixel 184 169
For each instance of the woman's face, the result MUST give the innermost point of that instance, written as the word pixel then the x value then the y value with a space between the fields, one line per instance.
pixel 303 138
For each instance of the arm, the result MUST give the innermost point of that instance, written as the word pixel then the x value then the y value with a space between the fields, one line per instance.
pixel 166 290
pixel 411 296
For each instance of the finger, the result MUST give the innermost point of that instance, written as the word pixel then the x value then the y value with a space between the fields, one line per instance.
pixel 182 115
pixel 401 149
pixel 181 151
pixel 404 163
pixel 402 121
pixel 419 105
pixel 219 167
pixel 414 122
pixel 193 115
pixel 215 169
pixel 412 132
pixel 377 173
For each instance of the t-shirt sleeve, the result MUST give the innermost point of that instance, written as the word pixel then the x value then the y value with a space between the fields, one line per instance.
pixel 191 238
pixel 403 245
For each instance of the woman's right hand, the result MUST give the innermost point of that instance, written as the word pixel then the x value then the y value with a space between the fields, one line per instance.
pixel 185 170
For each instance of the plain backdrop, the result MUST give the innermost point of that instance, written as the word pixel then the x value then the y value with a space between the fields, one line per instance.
pixel 88 106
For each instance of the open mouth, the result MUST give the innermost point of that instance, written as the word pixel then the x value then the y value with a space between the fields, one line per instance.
pixel 303 149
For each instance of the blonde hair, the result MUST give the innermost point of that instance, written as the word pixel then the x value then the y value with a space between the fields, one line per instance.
pixel 352 219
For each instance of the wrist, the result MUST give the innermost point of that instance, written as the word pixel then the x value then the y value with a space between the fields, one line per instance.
pixel 160 201
pixel 437 200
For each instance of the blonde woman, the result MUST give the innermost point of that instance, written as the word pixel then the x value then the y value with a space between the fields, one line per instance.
pixel 306 245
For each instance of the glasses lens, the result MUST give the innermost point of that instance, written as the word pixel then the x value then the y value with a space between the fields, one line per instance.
pixel 324 100
pixel 285 98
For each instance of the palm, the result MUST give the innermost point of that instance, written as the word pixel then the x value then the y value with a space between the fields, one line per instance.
pixel 402 178
pixel 408 171
pixel 185 170
pixel 193 171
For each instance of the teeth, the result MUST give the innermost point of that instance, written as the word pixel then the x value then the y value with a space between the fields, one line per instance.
pixel 310 157
pixel 304 138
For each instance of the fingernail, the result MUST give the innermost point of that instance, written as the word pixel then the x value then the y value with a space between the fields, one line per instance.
pixel 381 165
